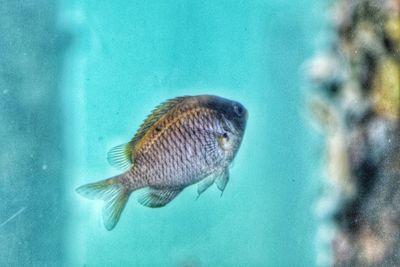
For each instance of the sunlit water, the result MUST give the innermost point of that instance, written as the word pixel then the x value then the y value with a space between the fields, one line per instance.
pixel 127 57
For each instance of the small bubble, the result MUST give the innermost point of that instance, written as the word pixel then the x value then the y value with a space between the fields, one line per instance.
pixel 44 167
pixel 5 91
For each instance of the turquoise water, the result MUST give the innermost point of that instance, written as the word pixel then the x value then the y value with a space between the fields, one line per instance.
pixel 127 57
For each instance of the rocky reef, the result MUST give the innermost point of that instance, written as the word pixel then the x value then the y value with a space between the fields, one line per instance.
pixel 355 100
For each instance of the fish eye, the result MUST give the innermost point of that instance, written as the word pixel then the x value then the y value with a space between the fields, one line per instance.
pixel 238 110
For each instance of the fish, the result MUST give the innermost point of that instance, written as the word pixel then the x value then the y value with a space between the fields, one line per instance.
pixel 186 140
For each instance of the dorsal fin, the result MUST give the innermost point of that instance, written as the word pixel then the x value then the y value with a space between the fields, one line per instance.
pixel 154 116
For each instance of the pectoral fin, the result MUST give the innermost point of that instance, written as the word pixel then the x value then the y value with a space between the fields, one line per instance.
pixel 156 198
pixel 222 180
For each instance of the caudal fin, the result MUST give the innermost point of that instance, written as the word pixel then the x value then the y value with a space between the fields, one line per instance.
pixel 114 195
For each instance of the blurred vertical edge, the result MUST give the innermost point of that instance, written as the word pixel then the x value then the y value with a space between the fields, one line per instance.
pixel 356 101
pixel 32 211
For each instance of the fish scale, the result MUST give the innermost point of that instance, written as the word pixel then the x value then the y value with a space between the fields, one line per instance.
pixel 178 159
pixel 173 132
pixel 184 141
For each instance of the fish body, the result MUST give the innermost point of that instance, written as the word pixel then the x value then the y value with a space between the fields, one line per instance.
pixel 184 141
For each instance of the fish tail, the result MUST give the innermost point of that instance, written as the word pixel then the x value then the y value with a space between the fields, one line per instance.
pixel 113 193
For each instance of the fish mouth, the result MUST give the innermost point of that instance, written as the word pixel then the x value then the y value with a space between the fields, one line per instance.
pixel 246 115
pixel 244 122
pixel 243 119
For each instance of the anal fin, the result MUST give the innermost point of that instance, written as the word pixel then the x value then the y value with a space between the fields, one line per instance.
pixel 156 198
pixel 204 184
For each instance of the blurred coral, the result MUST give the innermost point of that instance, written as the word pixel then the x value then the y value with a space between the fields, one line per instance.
pixel 359 111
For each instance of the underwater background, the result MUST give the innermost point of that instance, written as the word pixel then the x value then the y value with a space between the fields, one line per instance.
pixel 79 77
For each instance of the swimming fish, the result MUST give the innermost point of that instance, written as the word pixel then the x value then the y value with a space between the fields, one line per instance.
pixel 184 141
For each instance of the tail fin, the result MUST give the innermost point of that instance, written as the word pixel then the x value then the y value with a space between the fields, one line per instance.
pixel 114 195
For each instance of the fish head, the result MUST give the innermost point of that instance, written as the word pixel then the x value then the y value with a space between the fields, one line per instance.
pixel 232 119
pixel 232 113
pixel 236 114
